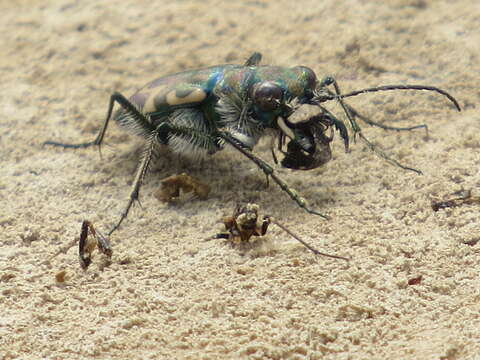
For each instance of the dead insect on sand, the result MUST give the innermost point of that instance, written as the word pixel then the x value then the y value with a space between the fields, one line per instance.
pixel 245 223
pixel 88 244
pixel 464 197
pixel 172 185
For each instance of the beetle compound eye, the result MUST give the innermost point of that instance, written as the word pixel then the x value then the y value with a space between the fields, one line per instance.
pixel 267 95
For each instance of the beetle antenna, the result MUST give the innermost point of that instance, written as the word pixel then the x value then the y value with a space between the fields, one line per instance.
pixel 323 94
pixel 403 87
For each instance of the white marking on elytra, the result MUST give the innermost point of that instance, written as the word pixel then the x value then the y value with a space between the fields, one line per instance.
pixel 196 95
pixel 150 103
pixel 286 130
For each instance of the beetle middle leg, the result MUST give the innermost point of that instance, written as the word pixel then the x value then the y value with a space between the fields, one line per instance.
pixel 184 133
pixel 269 172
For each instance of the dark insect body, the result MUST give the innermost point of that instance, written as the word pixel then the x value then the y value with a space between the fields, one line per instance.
pixel 198 112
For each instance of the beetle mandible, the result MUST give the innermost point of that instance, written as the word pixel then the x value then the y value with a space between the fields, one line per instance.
pixel 197 112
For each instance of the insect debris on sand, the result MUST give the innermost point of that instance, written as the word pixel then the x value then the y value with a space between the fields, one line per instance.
pixel 245 223
pixel 172 185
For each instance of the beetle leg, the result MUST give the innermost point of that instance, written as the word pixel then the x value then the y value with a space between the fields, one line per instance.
pixel 267 220
pixel 268 170
pixel 140 121
pixel 162 130
pixel 139 177
pixel 272 149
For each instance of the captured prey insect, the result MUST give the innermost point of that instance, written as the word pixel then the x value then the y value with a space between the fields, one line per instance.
pixel 196 113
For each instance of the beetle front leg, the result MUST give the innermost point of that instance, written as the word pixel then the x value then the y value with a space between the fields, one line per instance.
pixel 268 170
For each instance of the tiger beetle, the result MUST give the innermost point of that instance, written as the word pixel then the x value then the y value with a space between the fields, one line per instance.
pixel 196 113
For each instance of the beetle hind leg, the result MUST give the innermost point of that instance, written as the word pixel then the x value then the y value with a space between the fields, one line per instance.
pixel 137 120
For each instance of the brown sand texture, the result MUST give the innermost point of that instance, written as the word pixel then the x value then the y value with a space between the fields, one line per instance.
pixel 411 289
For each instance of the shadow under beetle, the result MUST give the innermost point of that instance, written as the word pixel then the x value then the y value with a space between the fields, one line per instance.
pixel 197 112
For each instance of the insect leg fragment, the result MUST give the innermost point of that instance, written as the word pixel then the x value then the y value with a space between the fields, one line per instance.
pixel 254 59
pixel 86 246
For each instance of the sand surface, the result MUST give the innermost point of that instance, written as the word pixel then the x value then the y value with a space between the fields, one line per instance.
pixel 171 291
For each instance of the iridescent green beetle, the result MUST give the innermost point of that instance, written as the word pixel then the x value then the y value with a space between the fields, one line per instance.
pixel 197 112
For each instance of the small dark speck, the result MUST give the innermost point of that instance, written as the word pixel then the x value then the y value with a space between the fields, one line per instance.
pixel 419 4
pixel 171 39
pixel 472 242
pixel 231 57
pixel 415 281
pixel 98 55
pixel 81 27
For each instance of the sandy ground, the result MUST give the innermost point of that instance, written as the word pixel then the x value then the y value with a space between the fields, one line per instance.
pixel 170 292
